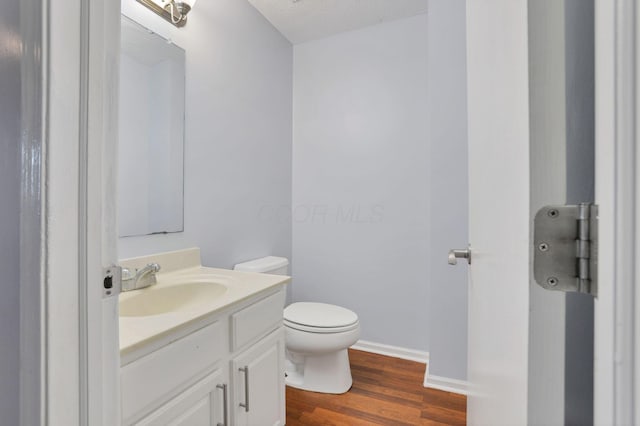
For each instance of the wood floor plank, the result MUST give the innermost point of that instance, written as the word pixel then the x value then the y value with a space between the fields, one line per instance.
pixel 366 404
pixel 446 399
pixel 442 415
pixel 386 391
pixel 296 408
pixel 429 422
pixel 404 402
pixel 339 419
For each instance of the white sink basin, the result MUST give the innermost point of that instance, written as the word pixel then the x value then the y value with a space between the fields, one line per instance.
pixel 157 300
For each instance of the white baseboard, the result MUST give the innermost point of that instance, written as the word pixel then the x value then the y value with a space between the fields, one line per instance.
pixel 445 384
pixel 430 381
pixel 393 351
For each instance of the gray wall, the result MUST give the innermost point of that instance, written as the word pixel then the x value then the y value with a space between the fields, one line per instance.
pixel 380 132
pixel 238 135
pixel 448 224
pixel 10 119
pixel 361 178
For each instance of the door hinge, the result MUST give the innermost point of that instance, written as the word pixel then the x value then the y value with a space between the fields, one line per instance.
pixel 566 248
pixel 111 281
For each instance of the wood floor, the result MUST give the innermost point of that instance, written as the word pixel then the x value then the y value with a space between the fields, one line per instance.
pixel 386 391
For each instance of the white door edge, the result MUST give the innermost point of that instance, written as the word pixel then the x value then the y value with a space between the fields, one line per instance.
pixel 102 28
pixel 82 363
pixel 499 185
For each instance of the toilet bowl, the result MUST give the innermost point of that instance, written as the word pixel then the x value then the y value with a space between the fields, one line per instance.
pixel 317 336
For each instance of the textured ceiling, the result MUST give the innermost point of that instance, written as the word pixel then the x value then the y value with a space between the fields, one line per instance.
pixel 304 20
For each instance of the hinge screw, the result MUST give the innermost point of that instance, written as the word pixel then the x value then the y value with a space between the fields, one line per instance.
pixel 553 281
pixel 543 247
pixel 553 213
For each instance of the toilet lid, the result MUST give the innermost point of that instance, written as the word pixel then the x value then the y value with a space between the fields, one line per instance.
pixel 320 315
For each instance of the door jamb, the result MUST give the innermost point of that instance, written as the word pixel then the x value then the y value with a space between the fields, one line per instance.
pixel 617 112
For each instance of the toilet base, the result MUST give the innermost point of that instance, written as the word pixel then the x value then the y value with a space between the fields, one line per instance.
pixel 324 373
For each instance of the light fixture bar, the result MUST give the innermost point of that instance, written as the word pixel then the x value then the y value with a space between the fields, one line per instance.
pixel 177 20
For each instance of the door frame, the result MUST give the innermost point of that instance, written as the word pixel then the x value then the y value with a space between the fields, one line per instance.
pixel 617 354
pixel 69 333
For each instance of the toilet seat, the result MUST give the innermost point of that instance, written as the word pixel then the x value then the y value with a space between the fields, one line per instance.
pixel 312 329
pixel 315 317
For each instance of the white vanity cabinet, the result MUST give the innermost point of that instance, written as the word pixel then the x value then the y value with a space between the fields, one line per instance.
pixel 257 363
pixel 201 404
pixel 194 377
pixel 258 383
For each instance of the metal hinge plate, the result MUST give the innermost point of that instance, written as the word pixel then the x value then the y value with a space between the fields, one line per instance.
pixel 112 281
pixel 566 248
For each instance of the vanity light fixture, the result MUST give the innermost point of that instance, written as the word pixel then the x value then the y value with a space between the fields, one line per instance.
pixel 174 11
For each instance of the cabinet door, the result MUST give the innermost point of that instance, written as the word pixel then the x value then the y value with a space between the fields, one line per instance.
pixel 258 382
pixel 201 405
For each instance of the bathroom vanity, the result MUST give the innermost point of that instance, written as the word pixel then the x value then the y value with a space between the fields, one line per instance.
pixel 203 346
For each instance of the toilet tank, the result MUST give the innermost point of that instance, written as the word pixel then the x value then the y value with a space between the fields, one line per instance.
pixel 268 265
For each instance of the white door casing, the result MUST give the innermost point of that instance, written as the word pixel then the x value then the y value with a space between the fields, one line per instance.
pixel 616 392
pixel 605 178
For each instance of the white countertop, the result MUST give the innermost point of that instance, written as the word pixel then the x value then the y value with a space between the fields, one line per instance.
pixel 137 331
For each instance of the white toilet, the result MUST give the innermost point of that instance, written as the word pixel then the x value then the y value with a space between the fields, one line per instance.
pixel 317 336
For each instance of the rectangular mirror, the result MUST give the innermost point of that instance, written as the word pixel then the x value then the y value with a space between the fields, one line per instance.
pixel 151 133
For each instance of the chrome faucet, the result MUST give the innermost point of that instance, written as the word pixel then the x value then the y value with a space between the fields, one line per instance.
pixel 142 278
